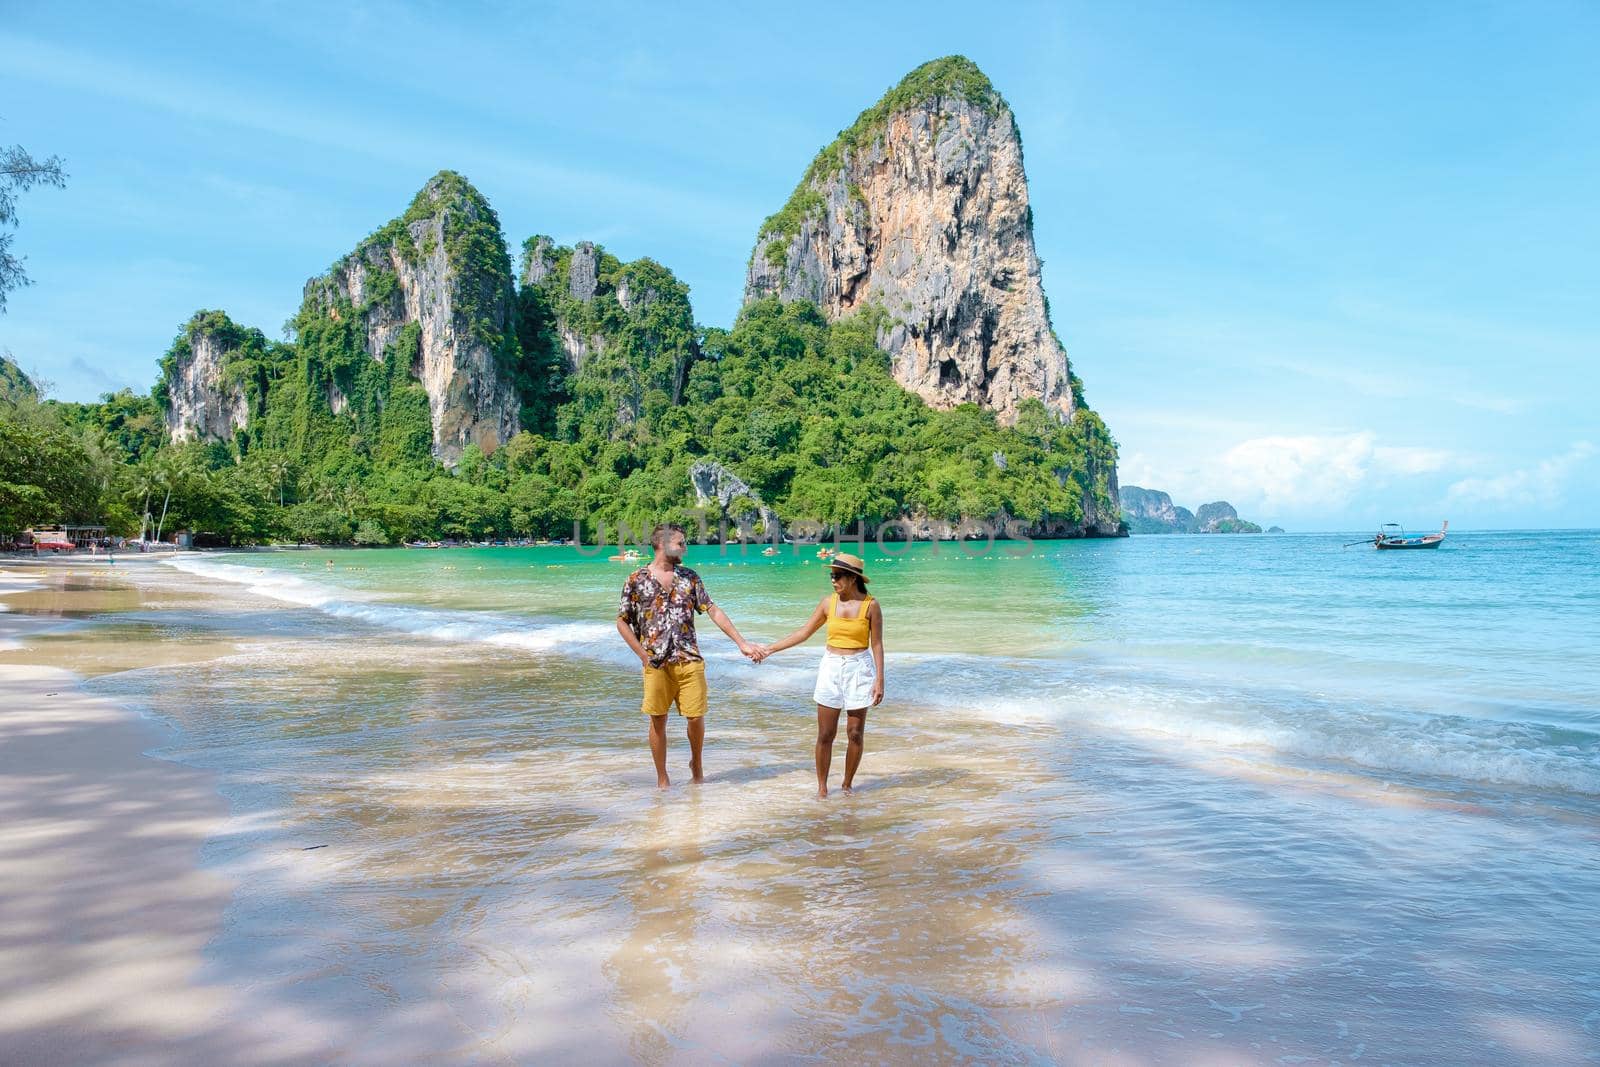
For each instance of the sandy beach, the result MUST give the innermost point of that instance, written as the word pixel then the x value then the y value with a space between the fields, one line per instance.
pixel 105 906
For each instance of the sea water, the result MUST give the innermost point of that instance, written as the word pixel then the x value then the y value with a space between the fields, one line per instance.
pixel 1173 799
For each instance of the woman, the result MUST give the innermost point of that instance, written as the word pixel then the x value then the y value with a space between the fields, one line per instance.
pixel 850 677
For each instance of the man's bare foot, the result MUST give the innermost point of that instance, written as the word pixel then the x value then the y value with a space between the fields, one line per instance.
pixel 696 771
pixel 848 788
pixel 822 792
pixel 663 782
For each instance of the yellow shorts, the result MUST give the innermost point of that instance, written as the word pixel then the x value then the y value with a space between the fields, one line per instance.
pixel 683 682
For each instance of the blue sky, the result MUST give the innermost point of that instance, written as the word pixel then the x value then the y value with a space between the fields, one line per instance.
pixel 1334 263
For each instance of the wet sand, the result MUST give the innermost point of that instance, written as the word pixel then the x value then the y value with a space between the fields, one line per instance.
pixel 105 908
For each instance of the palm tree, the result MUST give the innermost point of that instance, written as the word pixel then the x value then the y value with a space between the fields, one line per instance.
pixel 145 480
pixel 351 498
pixel 278 469
pixel 170 472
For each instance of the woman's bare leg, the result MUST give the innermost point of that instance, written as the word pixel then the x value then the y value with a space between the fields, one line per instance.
pixel 856 738
pixel 827 729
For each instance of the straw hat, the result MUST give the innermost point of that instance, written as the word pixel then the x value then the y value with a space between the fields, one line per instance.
pixel 844 561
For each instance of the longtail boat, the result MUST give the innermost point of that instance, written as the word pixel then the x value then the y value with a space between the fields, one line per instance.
pixel 1398 539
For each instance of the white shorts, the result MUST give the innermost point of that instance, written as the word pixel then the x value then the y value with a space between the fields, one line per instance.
pixel 845 681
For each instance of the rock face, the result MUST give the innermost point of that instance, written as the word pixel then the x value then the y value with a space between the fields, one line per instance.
pixel 204 389
pixel 1219 517
pixel 442 265
pixel 575 273
pixel 623 333
pixel 921 209
pixel 715 486
pixel 1148 511
pixel 585 288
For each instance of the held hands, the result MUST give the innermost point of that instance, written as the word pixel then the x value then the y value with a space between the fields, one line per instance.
pixel 755 653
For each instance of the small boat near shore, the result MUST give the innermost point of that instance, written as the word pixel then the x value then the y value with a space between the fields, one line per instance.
pixel 1393 536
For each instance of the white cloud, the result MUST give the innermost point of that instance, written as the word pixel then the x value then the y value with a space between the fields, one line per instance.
pixel 1410 459
pixel 1279 475
pixel 1287 473
pixel 1543 483
pixel 1318 472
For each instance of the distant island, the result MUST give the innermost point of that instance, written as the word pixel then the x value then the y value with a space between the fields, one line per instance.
pixel 1150 511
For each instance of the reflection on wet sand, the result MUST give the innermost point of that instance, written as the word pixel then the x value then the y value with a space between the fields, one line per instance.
pixel 657 968
pixel 116 647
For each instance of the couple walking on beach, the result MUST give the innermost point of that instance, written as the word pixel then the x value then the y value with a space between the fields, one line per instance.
pixel 656 618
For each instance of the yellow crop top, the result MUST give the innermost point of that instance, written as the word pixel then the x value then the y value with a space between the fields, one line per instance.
pixel 848 633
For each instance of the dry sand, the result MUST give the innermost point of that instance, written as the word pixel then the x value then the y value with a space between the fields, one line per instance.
pixel 105 910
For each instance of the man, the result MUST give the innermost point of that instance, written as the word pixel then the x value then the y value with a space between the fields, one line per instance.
pixel 656 618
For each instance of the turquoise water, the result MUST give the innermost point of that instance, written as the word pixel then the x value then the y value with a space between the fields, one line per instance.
pixel 1169 800
pixel 1477 662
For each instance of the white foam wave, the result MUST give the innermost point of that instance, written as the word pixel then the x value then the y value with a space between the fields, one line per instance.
pixel 1023 691
pixel 503 631
pixel 1516 754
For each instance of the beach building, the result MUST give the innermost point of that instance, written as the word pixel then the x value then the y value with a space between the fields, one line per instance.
pixel 62 538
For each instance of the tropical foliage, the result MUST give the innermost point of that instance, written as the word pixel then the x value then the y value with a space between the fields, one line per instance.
pixel 621 395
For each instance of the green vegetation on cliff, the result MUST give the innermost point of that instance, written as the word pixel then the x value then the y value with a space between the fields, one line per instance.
pixel 638 330
pixel 474 250
pixel 948 78
pixel 14 384
pixel 621 394
pixel 805 411
pixel 815 422
pixel 248 358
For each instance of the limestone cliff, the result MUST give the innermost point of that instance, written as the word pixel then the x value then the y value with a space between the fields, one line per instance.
pixel 443 265
pixel 618 337
pixel 1150 511
pixel 1219 517
pixel 207 378
pixel 921 208
pixel 738 507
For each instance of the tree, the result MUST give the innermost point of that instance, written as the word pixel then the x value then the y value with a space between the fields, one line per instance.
pixel 278 468
pixel 46 475
pixel 144 480
pixel 20 172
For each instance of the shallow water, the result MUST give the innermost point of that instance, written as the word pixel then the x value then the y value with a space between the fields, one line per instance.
pixel 1246 799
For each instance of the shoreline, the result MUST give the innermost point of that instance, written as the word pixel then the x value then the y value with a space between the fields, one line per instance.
pixel 106 908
